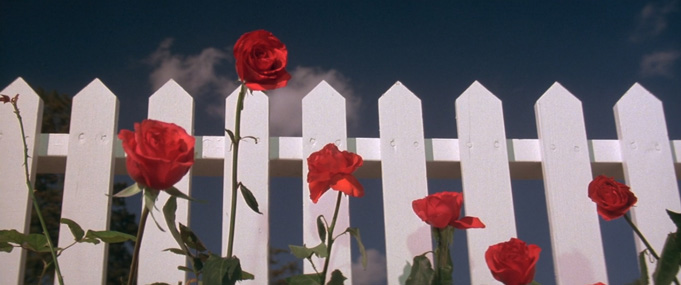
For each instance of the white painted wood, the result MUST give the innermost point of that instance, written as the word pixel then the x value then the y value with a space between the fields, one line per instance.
pixel 578 256
pixel 647 163
pixel 485 175
pixel 523 155
pixel 324 122
pixel 251 240
pixel 172 104
pixel 88 181
pixel 15 203
pixel 403 164
pixel 650 160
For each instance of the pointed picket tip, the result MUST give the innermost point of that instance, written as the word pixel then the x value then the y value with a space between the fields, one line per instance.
pixel 557 93
pixel 399 92
pixel 637 94
pixel 19 86
pixel 172 90
pixel 171 103
pixel 323 91
pixel 478 91
pixel 96 90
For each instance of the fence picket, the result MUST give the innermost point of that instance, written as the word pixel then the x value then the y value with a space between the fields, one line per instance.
pixel 88 181
pixel 485 157
pixel 324 122
pixel 575 233
pixel 648 165
pixel 487 194
pixel 170 103
pixel 251 242
pixel 15 202
pixel 403 167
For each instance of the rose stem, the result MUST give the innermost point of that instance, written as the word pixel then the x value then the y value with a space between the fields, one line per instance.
pixel 134 264
pixel 443 255
pixel 235 160
pixel 645 241
pixel 32 195
pixel 329 235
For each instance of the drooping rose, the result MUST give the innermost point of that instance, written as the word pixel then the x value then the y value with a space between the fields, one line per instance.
pixel 613 199
pixel 331 168
pixel 159 154
pixel 443 209
pixel 513 262
pixel 261 60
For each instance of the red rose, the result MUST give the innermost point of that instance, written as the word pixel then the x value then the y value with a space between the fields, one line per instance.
pixel 261 60
pixel 331 168
pixel 443 209
pixel 158 153
pixel 599 283
pixel 613 199
pixel 512 262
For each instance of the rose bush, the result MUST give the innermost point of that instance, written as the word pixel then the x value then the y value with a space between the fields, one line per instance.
pixel 613 199
pixel 159 154
pixel 261 60
pixel 443 209
pixel 513 262
pixel 331 168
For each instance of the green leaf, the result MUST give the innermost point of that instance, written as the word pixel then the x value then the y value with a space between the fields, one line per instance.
pixel 305 252
pixel 190 239
pixel 421 271
pixel 129 191
pixel 6 247
pixel 92 240
pixel 36 242
pixel 670 259
pixel 249 198
pixel 337 278
pixel 198 264
pixel 110 236
pixel 534 283
pixel 247 276
pixel 169 213
pixel 223 270
pixel 231 135
pixel 643 280
pixel 355 233
pixel 12 236
pixel 150 196
pixel 676 218
pixel 176 251
pixel 172 191
pixel 307 279
pixel 76 230
pixel 321 228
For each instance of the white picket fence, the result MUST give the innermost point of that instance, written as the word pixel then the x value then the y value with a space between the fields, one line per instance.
pixel 482 157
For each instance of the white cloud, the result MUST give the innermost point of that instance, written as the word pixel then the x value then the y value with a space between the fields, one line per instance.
pixel 199 75
pixel 660 63
pixel 195 73
pixel 653 20
pixel 375 272
pixel 285 103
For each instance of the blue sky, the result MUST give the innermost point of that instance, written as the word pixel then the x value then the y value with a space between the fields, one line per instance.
pixel 517 49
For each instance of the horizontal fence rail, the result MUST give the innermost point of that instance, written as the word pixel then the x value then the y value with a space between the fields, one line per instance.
pixel 443 159
pixel 482 157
